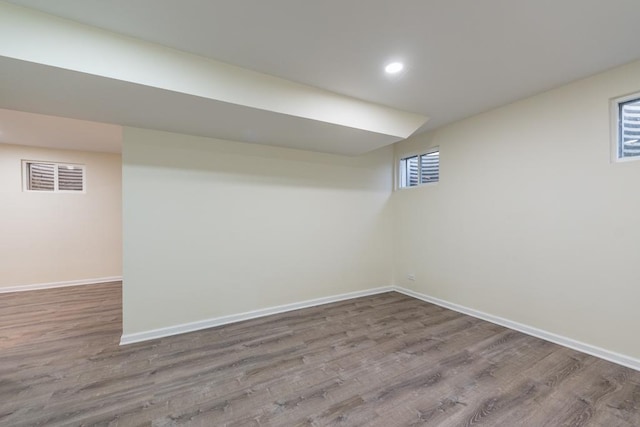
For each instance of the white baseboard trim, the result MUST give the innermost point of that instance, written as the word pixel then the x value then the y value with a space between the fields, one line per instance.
pixel 223 320
pixel 38 286
pixel 611 356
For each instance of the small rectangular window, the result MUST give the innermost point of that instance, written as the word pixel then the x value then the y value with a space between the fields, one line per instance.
pixel 53 177
pixel 420 169
pixel 409 171
pixel 41 176
pixel 627 138
pixel 430 167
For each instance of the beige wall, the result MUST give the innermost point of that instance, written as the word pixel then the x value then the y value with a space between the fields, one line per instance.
pixel 46 237
pixel 531 221
pixel 214 228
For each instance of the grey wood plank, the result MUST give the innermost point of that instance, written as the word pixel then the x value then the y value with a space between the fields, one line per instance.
pixel 384 360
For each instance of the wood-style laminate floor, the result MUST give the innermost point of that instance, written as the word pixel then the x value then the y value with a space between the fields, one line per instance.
pixel 385 360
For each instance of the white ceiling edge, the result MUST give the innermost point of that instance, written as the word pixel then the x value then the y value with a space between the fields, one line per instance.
pixel 38 130
pixel 36 37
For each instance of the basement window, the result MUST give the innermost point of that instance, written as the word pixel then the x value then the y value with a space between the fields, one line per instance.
pixel 626 117
pixel 53 177
pixel 420 169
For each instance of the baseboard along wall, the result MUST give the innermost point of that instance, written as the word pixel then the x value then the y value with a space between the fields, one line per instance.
pixel 224 320
pixel 50 285
pixel 611 356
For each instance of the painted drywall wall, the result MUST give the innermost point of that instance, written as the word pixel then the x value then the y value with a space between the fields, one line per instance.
pixel 531 221
pixel 213 228
pixel 48 238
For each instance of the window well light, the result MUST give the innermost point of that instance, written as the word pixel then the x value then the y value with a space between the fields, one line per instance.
pixel 394 67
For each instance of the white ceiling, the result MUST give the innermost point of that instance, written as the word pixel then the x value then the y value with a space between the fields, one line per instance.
pixel 462 56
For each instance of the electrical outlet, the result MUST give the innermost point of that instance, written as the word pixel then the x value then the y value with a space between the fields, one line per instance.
pixel 411 277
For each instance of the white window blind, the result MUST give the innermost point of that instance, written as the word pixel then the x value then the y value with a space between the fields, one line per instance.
pixel 54 177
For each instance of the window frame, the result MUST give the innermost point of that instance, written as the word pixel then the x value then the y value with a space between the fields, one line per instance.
pixel 418 154
pixel 56 180
pixel 615 109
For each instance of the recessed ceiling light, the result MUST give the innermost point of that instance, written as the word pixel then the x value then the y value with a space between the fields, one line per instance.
pixel 394 67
